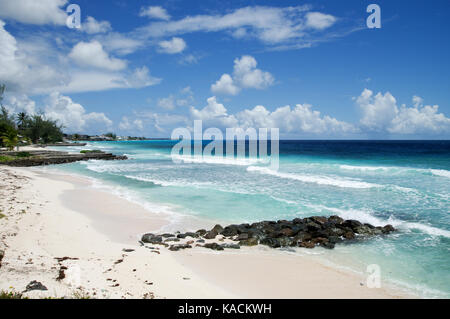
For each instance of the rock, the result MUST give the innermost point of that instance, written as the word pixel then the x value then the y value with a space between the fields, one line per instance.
pixel 218 229
pixel 210 235
pixel 191 234
pixel 288 232
pixel 363 230
pixel 319 220
pixel 2 254
pixel 229 231
pixel 271 242
pixel 167 235
pixel 302 237
pixel 249 242
pixel 151 239
pixel 200 241
pixel 335 220
pixel 35 285
pixel 242 236
pixel 231 246
pixel 313 227
pixel 213 246
pixel 349 235
pixel 127 250
pixel 352 223
pixel 388 229
pixel 178 247
pixel 307 244
pixel 285 241
pixel 328 245
pixel 201 232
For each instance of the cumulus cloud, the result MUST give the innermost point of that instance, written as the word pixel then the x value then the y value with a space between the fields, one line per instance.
pixel 380 113
pixel 319 21
pixel 131 125
pixel 34 12
pixel 225 85
pixel 73 116
pixel 155 12
pixel 92 54
pixel 301 119
pixel 245 75
pixel 173 46
pixel 92 26
pixel 16 103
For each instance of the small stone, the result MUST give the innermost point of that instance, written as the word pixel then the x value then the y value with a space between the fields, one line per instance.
pixel 178 247
pixel 231 246
pixel 213 246
pixel 35 285
pixel 210 235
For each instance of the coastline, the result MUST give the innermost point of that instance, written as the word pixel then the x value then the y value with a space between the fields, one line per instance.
pixel 65 217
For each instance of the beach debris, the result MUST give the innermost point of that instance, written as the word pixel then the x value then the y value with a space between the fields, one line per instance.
pixel 35 285
pixel 307 232
pixel 2 254
pixel 127 250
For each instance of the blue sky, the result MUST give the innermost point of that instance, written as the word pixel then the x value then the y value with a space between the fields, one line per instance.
pixel 146 67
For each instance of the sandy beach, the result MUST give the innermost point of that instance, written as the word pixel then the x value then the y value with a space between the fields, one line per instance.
pixel 79 241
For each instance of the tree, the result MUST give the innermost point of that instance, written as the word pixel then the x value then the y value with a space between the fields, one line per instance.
pixel 10 139
pixel 111 135
pixel 21 120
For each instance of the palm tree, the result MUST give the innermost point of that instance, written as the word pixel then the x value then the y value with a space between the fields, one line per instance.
pixel 21 120
pixel 10 139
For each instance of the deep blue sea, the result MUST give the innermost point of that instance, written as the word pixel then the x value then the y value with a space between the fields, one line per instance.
pixel 406 184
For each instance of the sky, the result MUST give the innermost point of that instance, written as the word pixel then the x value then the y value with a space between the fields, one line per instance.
pixel 313 69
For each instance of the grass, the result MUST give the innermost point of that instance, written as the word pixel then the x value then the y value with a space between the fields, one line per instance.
pixel 11 295
pixel 2 215
pixel 81 295
pixel 90 151
pixel 6 158
pixel 23 154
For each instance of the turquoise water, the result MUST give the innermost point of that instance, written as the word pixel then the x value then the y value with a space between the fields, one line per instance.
pixel 406 184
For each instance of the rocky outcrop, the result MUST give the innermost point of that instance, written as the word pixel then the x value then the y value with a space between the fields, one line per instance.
pixel 301 232
pixel 40 158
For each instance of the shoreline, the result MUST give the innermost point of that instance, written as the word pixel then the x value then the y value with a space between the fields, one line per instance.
pixel 78 221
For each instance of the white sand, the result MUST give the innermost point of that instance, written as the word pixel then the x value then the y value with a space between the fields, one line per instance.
pixel 50 216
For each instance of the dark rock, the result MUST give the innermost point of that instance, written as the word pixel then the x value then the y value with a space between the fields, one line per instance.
pixel 191 234
pixel 127 250
pixel 319 219
pixel 313 227
pixel 249 242
pixel 200 241
pixel 213 246
pixel 242 236
pixel 210 235
pixel 362 230
pixel 178 247
pixel 2 254
pixel 388 229
pixel 35 285
pixel 307 244
pixel 229 231
pixel 302 237
pixel 151 239
pixel 218 229
pixel 328 245
pixel 335 220
pixel 231 246
pixel 201 232
pixel 271 242
pixel 285 241
pixel 349 235
pixel 287 232
pixel 351 223
pixel 166 235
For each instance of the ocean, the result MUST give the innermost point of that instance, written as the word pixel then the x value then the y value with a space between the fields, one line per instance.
pixel 403 183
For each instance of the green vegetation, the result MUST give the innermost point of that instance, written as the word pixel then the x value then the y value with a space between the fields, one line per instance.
pixel 11 295
pixel 90 151
pixel 2 216
pixel 6 158
pixel 24 128
pixel 111 135
pixel 23 154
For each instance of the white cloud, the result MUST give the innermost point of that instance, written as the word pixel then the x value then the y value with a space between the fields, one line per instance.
pixel 127 125
pixel 92 26
pixel 34 12
pixel 16 103
pixel 156 12
pixel 225 85
pixel 73 116
pixel 167 103
pixel 175 45
pixel 120 43
pixel 301 119
pixel 92 54
pixel 272 25
pixel 320 21
pixel 382 115
pixel 245 75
